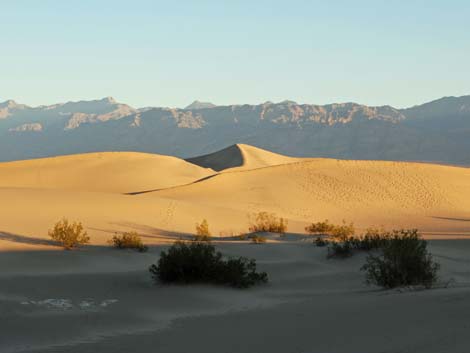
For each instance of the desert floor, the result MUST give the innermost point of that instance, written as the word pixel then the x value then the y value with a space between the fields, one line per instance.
pixel 98 299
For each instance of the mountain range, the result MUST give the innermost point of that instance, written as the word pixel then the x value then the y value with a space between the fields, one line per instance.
pixel 438 131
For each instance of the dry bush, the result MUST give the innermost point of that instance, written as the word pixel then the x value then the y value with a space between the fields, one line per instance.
pixel 202 231
pixel 267 222
pixel 320 228
pixel 69 235
pixel 128 240
pixel 258 239
pixel 338 232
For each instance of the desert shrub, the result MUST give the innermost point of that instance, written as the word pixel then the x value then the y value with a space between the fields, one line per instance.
pixel 340 250
pixel 343 232
pixel 202 231
pixel 199 262
pixel 339 232
pixel 373 238
pixel 242 236
pixel 69 235
pixel 258 239
pixel 320 241
pixel 404 261
pixel 320 228
pixel 267 222
pixel 129 240
pixel 240 273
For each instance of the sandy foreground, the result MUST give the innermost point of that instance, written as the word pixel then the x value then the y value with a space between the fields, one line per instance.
pixel 98 299
pixel 103 300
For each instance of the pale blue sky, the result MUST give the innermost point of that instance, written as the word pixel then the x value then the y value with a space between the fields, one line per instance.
pixel 169 53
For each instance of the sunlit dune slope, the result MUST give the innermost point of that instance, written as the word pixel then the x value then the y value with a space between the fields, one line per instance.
pixel 368 192
pixel 119 172
pixel 241 157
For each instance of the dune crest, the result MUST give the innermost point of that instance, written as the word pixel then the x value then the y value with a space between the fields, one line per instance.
pixel 241 157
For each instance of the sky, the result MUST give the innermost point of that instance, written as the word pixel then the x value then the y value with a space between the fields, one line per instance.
pixel 170 53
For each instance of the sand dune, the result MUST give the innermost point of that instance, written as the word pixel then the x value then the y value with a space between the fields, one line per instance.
pixel 241 157
pixel 433 198
pixel 367 192
pixel 119 172
pixel 99 299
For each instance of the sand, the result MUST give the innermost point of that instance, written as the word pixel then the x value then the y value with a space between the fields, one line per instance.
pixel 117 172
pixel 112 192
pixel 310 305
pixel 98 299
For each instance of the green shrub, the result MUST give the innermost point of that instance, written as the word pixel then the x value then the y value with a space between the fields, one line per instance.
pixel 258 239
pixel 202 231
pixel 341 250
pixel 267 222
pixel 129 240
pixel 372 239
pixel 200 263
pixel 320 241
pixel 404 261
pixel 69 235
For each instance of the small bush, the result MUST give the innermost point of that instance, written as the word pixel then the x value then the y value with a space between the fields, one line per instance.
pixel 242 236
pixel 404 261
pixel 258 239
pixel 267 222
pixel 372 239
pixel 69 235
pixel 129 240
pixel 339 232
pixel 320 228
pixel 320 241
pixel 202 231
pixel 341 250
pixel 200 263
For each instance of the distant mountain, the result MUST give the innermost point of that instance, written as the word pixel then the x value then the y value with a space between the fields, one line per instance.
pixel 200 105
pixel 437 131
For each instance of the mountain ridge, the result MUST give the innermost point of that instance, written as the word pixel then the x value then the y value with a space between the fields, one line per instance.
pixel 433 131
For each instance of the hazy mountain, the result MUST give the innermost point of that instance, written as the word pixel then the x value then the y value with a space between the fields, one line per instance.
pixel 436 131
pixel 200 105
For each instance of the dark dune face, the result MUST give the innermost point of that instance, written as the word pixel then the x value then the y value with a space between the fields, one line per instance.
pixel 229 157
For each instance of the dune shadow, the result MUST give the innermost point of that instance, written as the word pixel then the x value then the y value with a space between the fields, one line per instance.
pixel 229 157
pixel 16 238
pixel 134 193
pixel 452 219
pixel 148 232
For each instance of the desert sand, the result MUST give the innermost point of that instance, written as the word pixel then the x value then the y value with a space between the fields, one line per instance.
pixel 161 195
pixel 98 299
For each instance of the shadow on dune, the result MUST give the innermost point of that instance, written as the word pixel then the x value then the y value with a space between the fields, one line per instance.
pixel 172 187
pixel 452 219
pixel 148 232
pixel 229 157
pixel 16 238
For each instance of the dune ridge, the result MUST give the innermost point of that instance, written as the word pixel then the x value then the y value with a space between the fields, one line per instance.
pixel 241 157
